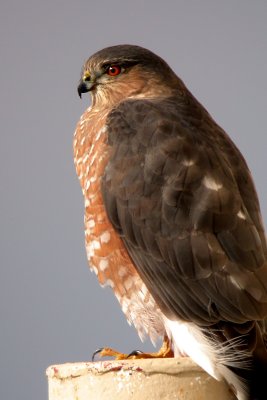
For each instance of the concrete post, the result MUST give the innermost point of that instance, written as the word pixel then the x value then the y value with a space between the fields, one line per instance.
pixel 147 379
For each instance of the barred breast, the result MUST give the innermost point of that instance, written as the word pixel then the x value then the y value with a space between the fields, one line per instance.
pixel 106 253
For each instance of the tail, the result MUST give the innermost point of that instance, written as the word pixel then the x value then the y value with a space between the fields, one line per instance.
pixel 244 370
pixel 221 361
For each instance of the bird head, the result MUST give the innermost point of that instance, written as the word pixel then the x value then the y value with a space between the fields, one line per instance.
pixel 124 71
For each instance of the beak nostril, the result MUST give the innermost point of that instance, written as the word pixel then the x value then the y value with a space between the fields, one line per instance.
pixel 86 76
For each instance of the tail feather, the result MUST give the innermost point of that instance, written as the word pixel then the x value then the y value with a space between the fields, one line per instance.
pixel 218 360
pixel 237 360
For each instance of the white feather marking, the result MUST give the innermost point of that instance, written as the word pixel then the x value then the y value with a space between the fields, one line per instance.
pixel 105 237
pixel 87 169
pixel 95 244
pixel 80 176
pixel 241 215
pixel 103 264
pixel 87 185
pixel 93 158
pixel 89 251
pixel 94 269
pixel 100 132
pixel 91 223
pixel 208 354
pixel 234 282
pixel 211 184
pixel 188 163
pixel 85 158
pixel 125 305
pixel 143 292
pixel 87 202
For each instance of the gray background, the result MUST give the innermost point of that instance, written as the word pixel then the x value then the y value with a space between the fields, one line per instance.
pixel 52 308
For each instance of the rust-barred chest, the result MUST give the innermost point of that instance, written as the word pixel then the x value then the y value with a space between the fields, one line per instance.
pixel 91 155
pixel 105 251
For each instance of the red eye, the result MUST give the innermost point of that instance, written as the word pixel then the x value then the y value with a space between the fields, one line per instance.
pixel 114 70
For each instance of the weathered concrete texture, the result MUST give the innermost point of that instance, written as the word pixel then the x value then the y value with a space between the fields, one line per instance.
pixel 157 379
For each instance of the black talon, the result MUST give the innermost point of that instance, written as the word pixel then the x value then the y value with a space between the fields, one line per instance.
pixel 96 352
pixel 135 353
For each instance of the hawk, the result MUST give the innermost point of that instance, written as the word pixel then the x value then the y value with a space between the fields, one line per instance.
pixel 172 218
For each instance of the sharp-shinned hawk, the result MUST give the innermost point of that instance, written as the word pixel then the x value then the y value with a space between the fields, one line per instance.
pixel 172 218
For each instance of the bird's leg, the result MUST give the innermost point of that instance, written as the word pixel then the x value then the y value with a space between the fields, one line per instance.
pixel 108 352
pixel 164 352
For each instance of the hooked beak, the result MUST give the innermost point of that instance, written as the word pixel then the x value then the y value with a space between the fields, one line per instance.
pixel 86 84
pixel 84 87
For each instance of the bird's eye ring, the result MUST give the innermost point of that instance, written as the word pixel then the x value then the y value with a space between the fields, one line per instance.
pixel 114 70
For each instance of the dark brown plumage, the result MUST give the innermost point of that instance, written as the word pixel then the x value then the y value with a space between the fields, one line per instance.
pixel 179 196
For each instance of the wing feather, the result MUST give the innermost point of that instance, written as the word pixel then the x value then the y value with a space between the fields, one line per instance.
pixel 181 196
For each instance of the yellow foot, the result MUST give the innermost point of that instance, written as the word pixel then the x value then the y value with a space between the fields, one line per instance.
pixel 164 352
